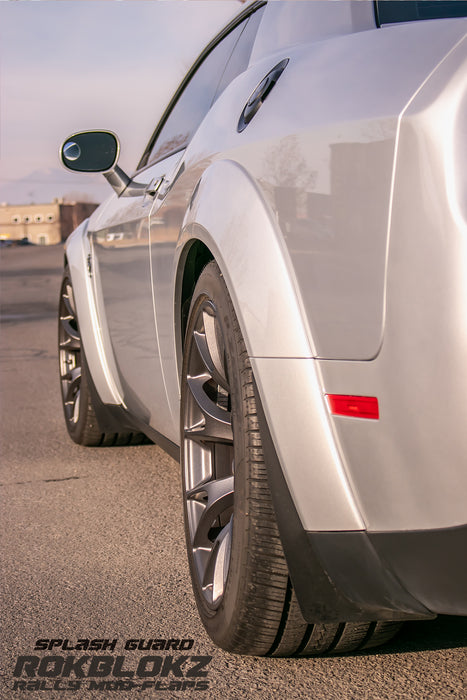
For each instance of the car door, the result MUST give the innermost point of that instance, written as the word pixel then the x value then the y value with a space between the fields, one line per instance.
pixel 134 242
pixel 120 243
pixel 218 65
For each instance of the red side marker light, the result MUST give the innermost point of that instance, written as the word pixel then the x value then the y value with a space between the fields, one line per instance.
pixel 355 406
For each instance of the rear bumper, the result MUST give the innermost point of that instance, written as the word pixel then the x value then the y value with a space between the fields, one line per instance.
pixel 415 573
pixel 431 565
pixel 364 576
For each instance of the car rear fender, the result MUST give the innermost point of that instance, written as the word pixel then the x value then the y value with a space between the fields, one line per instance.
pixel 229 216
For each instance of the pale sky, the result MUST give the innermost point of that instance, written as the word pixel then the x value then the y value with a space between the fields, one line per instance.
pixel 72 65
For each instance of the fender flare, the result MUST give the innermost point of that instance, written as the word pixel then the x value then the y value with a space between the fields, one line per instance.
pixel 94 337
pixel 229 215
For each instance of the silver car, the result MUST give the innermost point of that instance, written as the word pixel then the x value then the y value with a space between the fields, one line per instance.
pixel 278 297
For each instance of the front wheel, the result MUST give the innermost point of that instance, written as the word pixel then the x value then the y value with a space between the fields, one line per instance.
pixel 238 569
pixel 78 404
pixel 80 417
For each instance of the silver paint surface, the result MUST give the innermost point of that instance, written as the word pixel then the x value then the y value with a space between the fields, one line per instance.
pixel 338 219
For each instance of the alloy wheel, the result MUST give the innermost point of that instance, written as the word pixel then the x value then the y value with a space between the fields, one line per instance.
pixel 69 348
pixel 208 453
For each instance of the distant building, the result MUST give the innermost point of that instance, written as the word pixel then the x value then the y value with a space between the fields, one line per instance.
pixel 43 224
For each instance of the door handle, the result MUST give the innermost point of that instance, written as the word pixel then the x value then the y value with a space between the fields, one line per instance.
pixel 163 188
pixel 159 186
pixel 153 187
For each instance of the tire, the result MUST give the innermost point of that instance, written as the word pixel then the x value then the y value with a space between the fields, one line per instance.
pixel 239 574
pixel 78 406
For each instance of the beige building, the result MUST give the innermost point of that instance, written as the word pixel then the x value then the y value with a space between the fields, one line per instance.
pixel 42 224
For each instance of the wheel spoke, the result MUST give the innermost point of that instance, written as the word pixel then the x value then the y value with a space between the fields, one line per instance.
pixel 70 344
pixel 68 328
pixel 215 423
pixel 68 302
pixel 216 565
pixel 74 380
pixel 222 561
pixel 217 498
pixel 203 349
pixel 211 348
pixel 76 406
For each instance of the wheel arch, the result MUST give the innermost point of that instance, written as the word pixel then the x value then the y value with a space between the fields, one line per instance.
pixel 195 257
pixel 229 221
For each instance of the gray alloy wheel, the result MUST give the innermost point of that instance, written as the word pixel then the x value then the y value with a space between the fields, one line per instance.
pixel 239 574
pixel 69 351
pixel 80 418
pixel 80 415
pixel 209 464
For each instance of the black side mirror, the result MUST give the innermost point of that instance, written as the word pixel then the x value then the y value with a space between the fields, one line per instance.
pixel 97 152
pixel 90 152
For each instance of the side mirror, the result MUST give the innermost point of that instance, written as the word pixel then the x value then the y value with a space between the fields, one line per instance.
pixel 97 152
pixel 90 152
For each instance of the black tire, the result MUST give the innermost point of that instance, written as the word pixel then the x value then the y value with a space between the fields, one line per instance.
pixel 78 407
pixel 237 564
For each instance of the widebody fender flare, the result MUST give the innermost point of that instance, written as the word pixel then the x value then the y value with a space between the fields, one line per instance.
pixel 94 335
pixel 229 215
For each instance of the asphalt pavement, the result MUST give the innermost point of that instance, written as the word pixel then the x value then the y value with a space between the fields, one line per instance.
pixel 92 548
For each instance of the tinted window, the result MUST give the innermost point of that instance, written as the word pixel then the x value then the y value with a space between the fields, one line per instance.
pixel 241 54
pixel 195 100
pixel 407 11
pixel 221 65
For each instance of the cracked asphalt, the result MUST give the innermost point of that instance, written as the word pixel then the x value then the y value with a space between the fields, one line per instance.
pixel 92 546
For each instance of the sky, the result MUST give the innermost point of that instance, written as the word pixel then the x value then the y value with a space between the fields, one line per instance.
pixel 73 65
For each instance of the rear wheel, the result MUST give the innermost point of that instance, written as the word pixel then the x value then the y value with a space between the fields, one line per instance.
pixel 237 564
pixel 78 407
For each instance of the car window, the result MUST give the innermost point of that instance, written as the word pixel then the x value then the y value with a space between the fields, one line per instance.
pixel 195 100
pixel 389 11
pixel 240 57
pixel 221 65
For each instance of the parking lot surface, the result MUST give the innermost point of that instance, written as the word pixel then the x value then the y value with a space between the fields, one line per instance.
pixel 92 548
